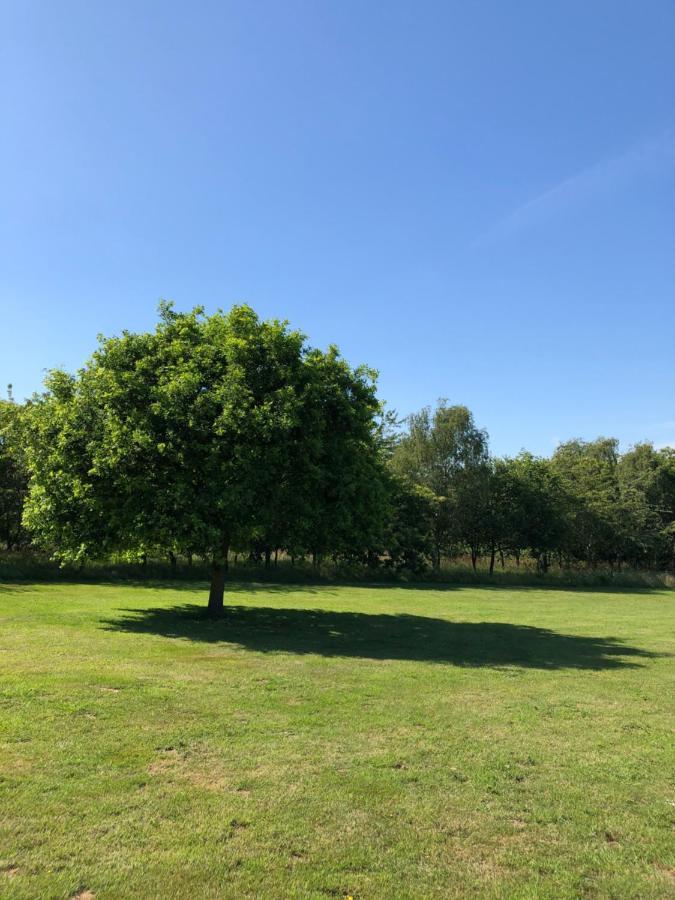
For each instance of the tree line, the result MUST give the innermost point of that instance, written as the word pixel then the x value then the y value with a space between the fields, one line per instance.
pixel 225 434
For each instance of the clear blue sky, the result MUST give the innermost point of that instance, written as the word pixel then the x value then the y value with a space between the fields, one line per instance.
pixel 476 198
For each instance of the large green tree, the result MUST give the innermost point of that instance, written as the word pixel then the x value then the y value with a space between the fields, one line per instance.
pixel 205 433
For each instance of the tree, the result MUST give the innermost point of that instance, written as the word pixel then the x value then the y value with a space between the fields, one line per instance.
pixel 13 474
pixel 475 510
pixel 647 478
pixel 534 507
pixel 445 452
pixel 337 481
pixel 410 534
pixel 189 437
pixel 664 503
pixel 605 516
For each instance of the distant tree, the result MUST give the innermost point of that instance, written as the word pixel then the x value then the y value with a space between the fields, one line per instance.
pixel 476 511
pixel 13 473
pixel 588 473
pixel 608 517
pixel 664 502
pixel 647 480
pixel 445 452
pixel 534 501
pixel 196 437
pixel 410 534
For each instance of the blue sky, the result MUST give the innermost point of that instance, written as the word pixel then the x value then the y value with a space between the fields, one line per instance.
pixel 477 199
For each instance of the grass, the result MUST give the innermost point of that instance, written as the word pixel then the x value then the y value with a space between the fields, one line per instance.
pixel 322 741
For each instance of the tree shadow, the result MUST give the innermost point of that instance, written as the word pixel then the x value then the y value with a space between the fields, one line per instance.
pixel 383 637
pixel 285 580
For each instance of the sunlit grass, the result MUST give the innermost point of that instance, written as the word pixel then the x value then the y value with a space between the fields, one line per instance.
pixel 333 741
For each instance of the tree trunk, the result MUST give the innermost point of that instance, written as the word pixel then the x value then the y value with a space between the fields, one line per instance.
pixel 474 557
pixel 501 556
pixel 173 560
pixel 268 557
pixel 217 589
pixel 276 557
pixel 492 560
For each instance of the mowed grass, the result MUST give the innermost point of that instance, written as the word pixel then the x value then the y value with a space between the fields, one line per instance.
pixel 376 742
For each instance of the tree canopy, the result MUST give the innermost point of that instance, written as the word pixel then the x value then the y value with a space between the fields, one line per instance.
pixel 221 434
pixel 13 474
pixel 209 431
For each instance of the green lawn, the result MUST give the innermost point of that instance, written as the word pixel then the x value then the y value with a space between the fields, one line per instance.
pixel 387 742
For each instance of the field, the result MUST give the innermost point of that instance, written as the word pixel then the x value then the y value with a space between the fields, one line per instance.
pixel 373 742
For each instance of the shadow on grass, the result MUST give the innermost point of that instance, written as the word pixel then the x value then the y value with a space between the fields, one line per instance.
pixel 383 637
pixel 324 587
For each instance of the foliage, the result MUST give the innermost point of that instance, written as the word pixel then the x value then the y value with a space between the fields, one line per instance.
pixel 447 454
pixel 226 436
pixel 209 432
pixel 13 475
pixel 532 507
pixel 618 508
pixel 410 536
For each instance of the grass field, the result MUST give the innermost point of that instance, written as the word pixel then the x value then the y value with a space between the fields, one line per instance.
pixel 378 742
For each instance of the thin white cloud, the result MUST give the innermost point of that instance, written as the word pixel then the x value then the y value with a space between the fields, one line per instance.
pixel 636 161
